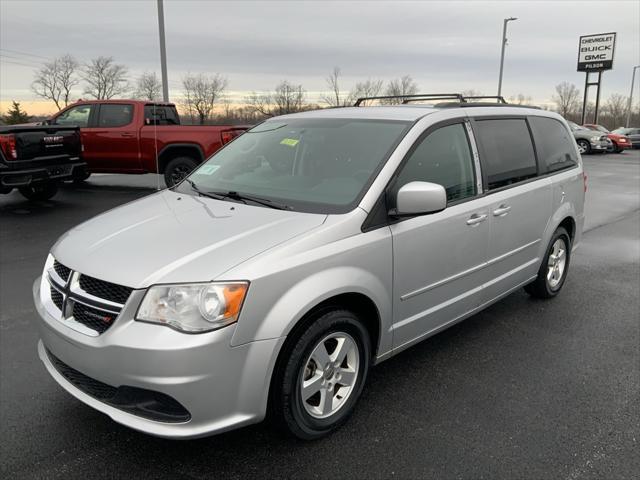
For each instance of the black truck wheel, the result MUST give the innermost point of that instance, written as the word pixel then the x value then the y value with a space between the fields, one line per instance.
pixel 177 169
pixel 39 191
pixel 80 175
pixel 5 190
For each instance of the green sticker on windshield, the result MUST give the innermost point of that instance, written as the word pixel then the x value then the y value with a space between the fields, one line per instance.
pixel 207 169
pixel 292 142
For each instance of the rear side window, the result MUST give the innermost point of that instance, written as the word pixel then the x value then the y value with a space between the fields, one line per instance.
pixel 443 157
pixel 555 145
pixel 508 155
pixel 160 115
pixel 115 115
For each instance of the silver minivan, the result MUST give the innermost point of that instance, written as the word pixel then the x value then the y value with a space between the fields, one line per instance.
pixel 304 252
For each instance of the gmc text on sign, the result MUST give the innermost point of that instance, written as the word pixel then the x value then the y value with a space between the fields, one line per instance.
pixel 595 52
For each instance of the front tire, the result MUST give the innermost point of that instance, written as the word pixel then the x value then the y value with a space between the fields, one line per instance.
pixel 584 147
pixel 178 169
pixel 554 268
pixel 39 191
pixel 322 376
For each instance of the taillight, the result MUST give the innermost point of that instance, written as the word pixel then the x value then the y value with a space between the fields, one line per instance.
pixel 229 135
pixel 8 145
pixel 584 179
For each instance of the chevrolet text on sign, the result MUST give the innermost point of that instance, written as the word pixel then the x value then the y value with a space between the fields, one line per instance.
pixel 595 52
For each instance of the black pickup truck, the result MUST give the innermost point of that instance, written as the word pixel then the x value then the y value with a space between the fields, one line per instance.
pixel 34 159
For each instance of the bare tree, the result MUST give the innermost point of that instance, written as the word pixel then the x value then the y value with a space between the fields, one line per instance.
pixel 287 98
pixel 368 88
pixel 615 109
pixel 334 98
pixel 201 93
pixel 105 79
pixel 471 93
pixel 399 87
pixel 148 87
pixel 567 99
pixel 521 99
pixel 55 79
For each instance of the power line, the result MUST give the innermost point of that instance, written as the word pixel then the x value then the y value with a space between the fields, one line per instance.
pixel 24 60
pixel 24 53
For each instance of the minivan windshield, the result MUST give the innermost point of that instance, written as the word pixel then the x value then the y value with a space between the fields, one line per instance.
pixel 311 165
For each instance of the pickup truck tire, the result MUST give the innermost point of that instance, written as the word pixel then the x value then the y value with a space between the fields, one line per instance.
pixel 5 190
pixel 177 169
pixel 39 191
pixel 80 175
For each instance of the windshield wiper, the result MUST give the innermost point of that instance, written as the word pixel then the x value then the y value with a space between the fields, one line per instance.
pixel 213 195
pixel 242 197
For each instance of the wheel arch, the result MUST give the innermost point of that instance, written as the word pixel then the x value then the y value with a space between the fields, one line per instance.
pixel 173 150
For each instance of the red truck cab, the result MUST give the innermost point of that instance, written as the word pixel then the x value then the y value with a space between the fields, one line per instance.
pixel 620 142
pixel 134 136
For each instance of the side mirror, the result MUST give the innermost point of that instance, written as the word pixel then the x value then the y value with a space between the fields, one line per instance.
pixel 417 198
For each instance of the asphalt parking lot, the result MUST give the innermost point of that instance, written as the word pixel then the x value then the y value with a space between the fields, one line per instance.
pixel 525 389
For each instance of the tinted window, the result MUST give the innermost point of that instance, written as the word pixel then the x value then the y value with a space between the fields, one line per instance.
pixel 115 115
pixel 317 165
pixel 508 155
pixel 554 143
pixel 443 157
pixel 75 116
pixel 160 115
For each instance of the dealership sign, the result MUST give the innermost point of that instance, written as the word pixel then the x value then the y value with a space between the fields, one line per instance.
pixel 595 52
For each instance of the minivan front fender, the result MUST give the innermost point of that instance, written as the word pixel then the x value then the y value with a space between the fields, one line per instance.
pixel 305 295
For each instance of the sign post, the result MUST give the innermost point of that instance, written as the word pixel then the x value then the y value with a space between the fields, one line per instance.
pixel 595 55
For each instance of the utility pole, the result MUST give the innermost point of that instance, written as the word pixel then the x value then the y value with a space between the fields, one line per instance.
pixel 504 44
pixel 633 80
pixel 163 53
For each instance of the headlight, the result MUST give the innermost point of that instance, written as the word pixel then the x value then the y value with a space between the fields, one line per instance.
pixel 595 139
pixel 195 307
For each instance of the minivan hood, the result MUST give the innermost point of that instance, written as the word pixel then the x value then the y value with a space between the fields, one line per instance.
pixel 169 238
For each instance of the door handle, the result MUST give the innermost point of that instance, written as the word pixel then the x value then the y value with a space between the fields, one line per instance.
pixel 476 218
pixel 126 134
pixel 501 211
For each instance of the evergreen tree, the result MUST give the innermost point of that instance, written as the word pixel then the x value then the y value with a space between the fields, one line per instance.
pixel 15 115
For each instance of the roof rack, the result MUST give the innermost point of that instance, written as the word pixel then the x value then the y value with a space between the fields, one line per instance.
pixel 409 98
pixel 481 104
pixel 498 98
pixel 436 96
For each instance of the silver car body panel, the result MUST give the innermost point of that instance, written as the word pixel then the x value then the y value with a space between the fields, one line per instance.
pixel 418 279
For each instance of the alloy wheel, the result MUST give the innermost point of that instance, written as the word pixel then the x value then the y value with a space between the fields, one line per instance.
pixel 330 374
pixel 557 262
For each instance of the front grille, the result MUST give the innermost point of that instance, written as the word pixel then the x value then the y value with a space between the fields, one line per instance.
pixel 137 401
pixel 62 271
pixel 95 319
pixel 56 297
pixel 106 290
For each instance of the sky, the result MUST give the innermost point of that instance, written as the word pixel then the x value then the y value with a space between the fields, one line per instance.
pixel 445 46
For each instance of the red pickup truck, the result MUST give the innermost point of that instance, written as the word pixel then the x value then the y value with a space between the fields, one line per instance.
pixel 133 136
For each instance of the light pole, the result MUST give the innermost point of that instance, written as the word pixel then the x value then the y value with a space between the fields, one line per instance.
pixel 633 80
pixel 504 44
pixel 163 53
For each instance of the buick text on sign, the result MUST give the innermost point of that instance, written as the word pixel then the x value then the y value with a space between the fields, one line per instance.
pixel 595 52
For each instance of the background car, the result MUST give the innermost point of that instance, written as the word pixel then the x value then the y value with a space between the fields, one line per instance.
pixel 619 142
pixel 589 141
pixel 632 133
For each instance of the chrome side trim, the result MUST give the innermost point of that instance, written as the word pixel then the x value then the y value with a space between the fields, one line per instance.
pixel 476 156
pixel 471 270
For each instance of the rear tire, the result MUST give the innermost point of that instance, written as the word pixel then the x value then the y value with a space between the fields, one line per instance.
pixel 584 147
pixel 39 191
pixel 178 169
pixel 554 268
pixel 330 360
pixel 80 175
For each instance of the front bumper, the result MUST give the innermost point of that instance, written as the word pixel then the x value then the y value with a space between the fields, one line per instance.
pixel 601 146
pixel 222 387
